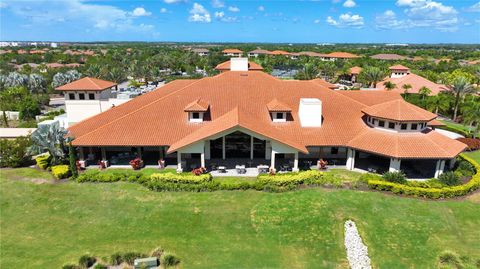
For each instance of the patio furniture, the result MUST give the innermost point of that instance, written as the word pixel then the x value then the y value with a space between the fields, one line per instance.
pixel 262 169
pixel 322 164
pixel 222 169
pixel 161 164
pixel 240 169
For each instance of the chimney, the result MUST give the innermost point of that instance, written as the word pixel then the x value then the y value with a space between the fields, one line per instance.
pixel 310 112
pixel 239 64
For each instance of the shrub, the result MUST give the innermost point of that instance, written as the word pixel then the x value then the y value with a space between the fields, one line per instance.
pixel 116 258
pixel 310 177
pixel 465 168
pixel 100 266
pixel 13 152
pixel 28 109
pixel 43 161
pixel 449 178
pixel 396 177
pixel 472 143
pixel 60 171
pixel 86 261
pixel 129 257
pixel 169 260
pixel 450 258
pixel 70 266
pixel 180 178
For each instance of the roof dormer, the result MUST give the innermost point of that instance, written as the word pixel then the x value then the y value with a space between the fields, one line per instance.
pixel 398 71
pixel 197 110
pixel 278 111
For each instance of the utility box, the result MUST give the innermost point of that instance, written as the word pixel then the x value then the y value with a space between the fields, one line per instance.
pixel 146 263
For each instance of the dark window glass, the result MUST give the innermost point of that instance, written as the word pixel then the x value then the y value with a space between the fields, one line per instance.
pixel 391 125
pixel 404 126
pixel 195 115
pixel 91 96
pixel 280 116
pixel 71 96
pixel 81 96
pixel 334 150
pixel 414 126
pixel 381 123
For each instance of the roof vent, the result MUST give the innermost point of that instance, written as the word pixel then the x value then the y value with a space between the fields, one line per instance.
pixel 239 64
pixel 310 112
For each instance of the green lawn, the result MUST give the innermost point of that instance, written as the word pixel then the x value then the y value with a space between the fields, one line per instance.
pixel 47 225
pixel 474 155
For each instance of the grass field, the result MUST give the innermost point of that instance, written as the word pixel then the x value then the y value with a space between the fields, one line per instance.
pixel 474 155
pixel 47 225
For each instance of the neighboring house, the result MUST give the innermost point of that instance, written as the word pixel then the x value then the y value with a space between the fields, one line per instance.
pixel 258 52
pixel 333 56
pixel 354 72
pixel 87 97
pixel 400 75
pixel 280 52
pixel 226 66
pixel 232 52
pixel 249 118
pixel 389 57
pixel 201 52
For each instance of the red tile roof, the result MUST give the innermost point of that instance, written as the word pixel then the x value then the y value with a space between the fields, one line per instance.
pixel 325 83
pixel 280 52
pixel 355 70
pixel 198 105
pixel 415 81
pixel 399 110
pixel 232 51
pixel 398 67
pixel 225 66
pixel 276 106
pixel 238 100
pixel 87 84
pixel 343 55
pixel 388 56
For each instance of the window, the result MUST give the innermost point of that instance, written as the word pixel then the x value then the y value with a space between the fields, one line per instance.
pixel 375 122
pixel 381 123
pixel 334 150
pixel 71 96
pixel 414 126
pixel 91 96
pixel 279 116
pixel 195 115
pixel 404 126
pixel 391 125
pixel 81 96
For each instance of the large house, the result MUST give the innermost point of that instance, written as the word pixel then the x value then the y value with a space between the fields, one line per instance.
pixel 251 118
pixel 232 52
pixel 400 75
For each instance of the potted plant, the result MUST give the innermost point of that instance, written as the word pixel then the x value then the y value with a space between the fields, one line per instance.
pixel 136 163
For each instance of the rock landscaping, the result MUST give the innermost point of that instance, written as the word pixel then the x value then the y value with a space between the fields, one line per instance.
pixel 357 252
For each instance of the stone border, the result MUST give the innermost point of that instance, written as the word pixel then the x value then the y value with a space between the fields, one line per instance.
pixel 357 251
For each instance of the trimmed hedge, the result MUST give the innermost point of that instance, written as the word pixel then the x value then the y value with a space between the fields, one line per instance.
pixel 434 193
pixel 60 171
pixel 308 177
pixel 94 175
pixel 181 178
pixel 43 161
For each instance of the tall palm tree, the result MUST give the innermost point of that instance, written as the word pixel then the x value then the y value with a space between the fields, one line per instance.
pixel 309 71
pixel 424 91
pixel 439 102
pixel 371 75
pixel 49 139
pixel 460 87
pixel 389 85
pixel 93 70
pixel 471 114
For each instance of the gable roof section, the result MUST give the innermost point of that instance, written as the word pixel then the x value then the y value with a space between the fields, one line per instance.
pixel 88 84
pixel 324 83
pixel 398 67
pixel 232 51
pixel 276 106
pixel 344 55
pixel 252 66
pixel 388 56
pixel 355 70
pixel 198 105
pixel 399 110
pixel 414 80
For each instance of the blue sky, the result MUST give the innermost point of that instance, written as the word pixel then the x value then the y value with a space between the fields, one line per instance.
pixel 336 21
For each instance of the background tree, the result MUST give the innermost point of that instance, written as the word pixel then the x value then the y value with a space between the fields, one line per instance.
pixel 15 79
pixel 308 72
pixel 36 84
pixel 471 115
pixel 424 92
pixel 49 139
pixel 439 102
pixel 460 87
pixel 389 85
pixel 370 75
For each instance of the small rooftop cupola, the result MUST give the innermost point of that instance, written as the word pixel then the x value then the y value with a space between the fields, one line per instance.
pixel 239 64
pixel 398 71
pixel 310 112
pixel 398 116
pixel 197 110
pixel 278 111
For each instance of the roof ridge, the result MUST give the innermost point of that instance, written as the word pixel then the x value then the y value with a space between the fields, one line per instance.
pixel 142 107
pixel 438 146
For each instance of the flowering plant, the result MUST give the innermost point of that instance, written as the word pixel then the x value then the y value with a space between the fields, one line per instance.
pixel 136 163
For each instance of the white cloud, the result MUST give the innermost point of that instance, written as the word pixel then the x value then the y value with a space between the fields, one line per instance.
pixel 233 9
pixel 349 3
pixel 174 1
pixel 261 8
pixel 218 3
pixel 219 14
pixel 316 21
pixel 346 20
pixel 163 10
pixel 140 11
pixel 474 7
pixel 199 14
pixel 388 20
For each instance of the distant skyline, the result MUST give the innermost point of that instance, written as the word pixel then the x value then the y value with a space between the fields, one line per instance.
pixel 328 21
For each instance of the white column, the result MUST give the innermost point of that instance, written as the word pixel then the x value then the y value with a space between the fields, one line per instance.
pixel 350 159
pixel 223 148
pixel 104 154
pixel 394 165
pixel 272 158
pixel 202 159
pixel 207 150
pixel 251 147
pixel 295 163
pixel 179 162
pixel 268 150
pixel 439 168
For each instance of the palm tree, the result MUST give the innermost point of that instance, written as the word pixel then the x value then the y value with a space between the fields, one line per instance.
pixel 389 85
pixel 309 71
pixel 460 88
pixel 36 84
pixel 49 139
pixel 371 75
pixel 424 91
pixel 94 70
pixel 438 102
pixel 471 114
pixel 406 87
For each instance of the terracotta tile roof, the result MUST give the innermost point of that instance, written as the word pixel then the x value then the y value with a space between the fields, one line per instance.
pixel 355 70
pixel 388 56
pixel 399 110
pixel 435 123
pixel 88 84
pixel 232 51
pixel 276 106
pixel 280 52
pixel 414 80
pixel 225 66
pixel 344 55
pixel 200 50
pixel 398 67
pixel 311 53
pixel 54 65
pixel 325 83
pixel 198 105
pixel 260 51
pixel 239 100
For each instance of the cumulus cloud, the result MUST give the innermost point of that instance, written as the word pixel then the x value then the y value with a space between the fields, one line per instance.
pixel 140 12
pixel 474 7
pixel 220 16
pixel 163 10
pixel 174 1
pixel 199 14
pixel 349 3
pixel 261 8
pixel 420 13
pixel 316 21
pixel 346 20
pixel 218 3
pixel 233 9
